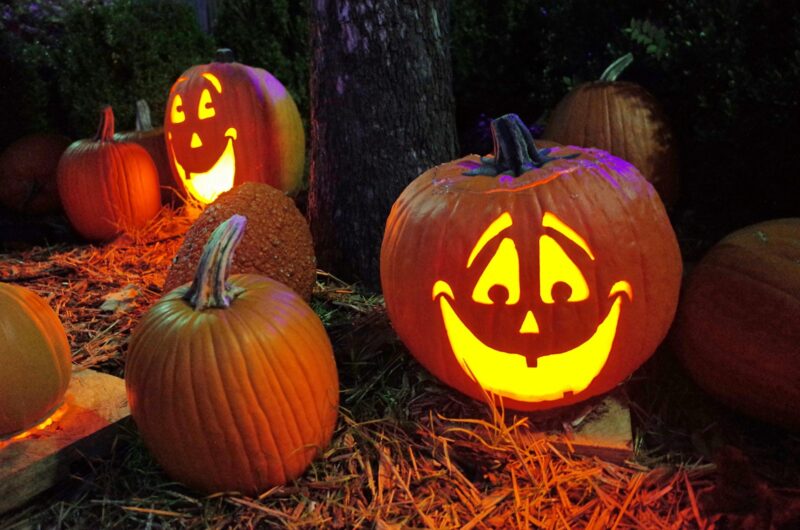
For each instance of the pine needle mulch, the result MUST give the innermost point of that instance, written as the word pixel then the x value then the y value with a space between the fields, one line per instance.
pixel 407 452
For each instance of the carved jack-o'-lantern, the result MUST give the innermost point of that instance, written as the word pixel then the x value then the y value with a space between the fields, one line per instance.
pixel 539 280
pixel 227 123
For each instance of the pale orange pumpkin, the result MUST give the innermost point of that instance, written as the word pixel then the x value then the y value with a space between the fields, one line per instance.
pixel 35 361
pixel 231 380
pixel 106 186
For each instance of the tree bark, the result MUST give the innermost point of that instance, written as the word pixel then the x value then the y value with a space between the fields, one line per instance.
pixel 382 113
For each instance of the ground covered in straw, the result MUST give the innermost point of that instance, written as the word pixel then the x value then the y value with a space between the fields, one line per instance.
pixel 407 452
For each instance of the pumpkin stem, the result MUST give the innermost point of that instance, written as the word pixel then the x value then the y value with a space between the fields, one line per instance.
pixel 514 150
pixel 614 69
pixel 105 132
pixel 143 122
pixel 210 288
pixel 224 55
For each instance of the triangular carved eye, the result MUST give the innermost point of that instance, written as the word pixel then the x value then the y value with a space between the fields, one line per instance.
pixel 500 277
pixel 205 109
pixel 555 268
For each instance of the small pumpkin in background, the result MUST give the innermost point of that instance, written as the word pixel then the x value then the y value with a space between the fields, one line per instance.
pixel 106 186
pixel 35 360
pixel 624 119
pixel 231 380
pixel 28 174
pixel 539 277
pixel 277 244
pixel 152 139
pixel 737 330
pixel 227 123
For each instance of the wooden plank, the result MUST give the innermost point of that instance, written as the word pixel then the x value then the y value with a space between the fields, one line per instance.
pixel 95 407
pixel 601 429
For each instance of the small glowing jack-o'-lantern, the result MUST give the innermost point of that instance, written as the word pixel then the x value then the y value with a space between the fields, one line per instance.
pixel 227 123
pixel 538 280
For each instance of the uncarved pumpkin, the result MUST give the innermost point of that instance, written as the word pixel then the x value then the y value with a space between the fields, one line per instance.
pixel 737 330
pixel 28 174
pixel 277 243
pixel 624 119
pixel 152 139
pixel 542 278
pixel 106 186
pixel 35 361
pixel 228 123
pixel 231 380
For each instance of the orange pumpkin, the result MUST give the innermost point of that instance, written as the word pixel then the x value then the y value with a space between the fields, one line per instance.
pixel 107 187
pixel 28 174
pixel 737 330
pixel 227 123
pixel 152 139
pixel 35 361
pixel 541 280
pixel 624 119
pixel 232 381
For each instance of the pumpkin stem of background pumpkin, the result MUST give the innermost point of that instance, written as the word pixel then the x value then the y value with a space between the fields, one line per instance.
pixel 614 69
pixel 224 55
pixel 210 288
pixel 514 150
pixel 143 122
pixel 105 132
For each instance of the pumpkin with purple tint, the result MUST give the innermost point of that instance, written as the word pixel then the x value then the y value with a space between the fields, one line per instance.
pixel 541 278
pixel 227 123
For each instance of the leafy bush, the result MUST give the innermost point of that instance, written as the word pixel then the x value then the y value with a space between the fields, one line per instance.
pixel 30 34
pixel 122 51
pixel 269 34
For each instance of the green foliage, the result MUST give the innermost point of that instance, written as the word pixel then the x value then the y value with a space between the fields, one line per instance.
pixel 119 52
pixel 269 34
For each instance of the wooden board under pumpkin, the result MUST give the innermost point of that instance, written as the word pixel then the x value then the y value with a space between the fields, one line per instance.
pixel 95 408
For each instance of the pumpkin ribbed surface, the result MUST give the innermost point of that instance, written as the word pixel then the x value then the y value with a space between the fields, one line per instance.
pixel 231 380
pixel 152 140
pixel 465 274
pixel 627 121
pixel 737 330
pixel 107 187
pixel 277 242
pixel 34 359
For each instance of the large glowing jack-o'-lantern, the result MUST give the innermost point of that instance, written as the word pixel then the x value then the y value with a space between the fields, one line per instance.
pixel 540 278
pixel 227 123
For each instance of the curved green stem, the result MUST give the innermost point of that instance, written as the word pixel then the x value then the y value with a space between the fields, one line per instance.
pixel 105 131
pixel 210 288
pixel 615 69
pixel 514 150
pixel 143 122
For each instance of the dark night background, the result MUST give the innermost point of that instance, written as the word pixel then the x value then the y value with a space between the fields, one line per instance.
pixel 727 73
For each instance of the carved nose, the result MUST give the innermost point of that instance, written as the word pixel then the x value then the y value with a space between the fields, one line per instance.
pixel 196 141
pixel 529 325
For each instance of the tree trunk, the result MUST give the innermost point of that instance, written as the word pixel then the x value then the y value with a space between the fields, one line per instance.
pixel 382 113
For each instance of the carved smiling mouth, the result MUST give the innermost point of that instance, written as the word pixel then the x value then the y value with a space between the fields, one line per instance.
pixel 507 374
pixel 206 186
